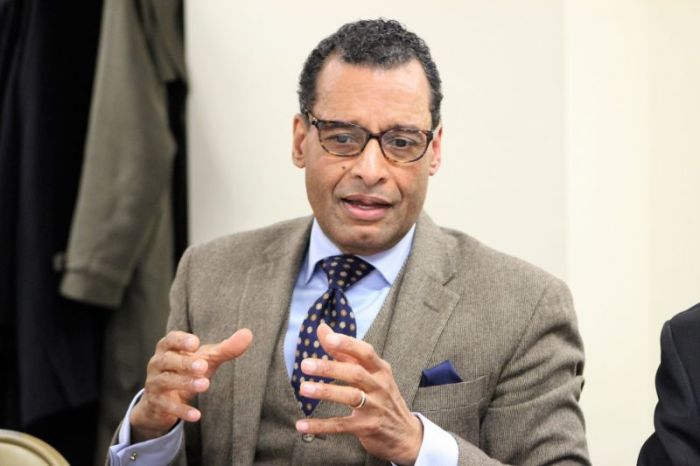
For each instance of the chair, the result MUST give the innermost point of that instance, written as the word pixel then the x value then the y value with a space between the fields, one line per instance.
pixel 18 449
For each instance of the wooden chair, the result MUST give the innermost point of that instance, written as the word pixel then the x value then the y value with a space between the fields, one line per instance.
pixel 18 449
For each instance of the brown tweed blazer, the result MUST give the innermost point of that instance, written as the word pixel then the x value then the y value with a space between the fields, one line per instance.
pixel 508 328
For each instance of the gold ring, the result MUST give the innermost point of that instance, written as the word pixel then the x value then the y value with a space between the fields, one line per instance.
pixel 363 400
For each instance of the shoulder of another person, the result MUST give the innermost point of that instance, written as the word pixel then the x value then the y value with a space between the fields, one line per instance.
pixel 684 329
pixel 688 318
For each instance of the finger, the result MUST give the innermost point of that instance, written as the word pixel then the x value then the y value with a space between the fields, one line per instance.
pixel 164 406
pixel 354 424
pixel 172 361
pixel 350 396
pixel 178 341
pixel 169 381
pixel 231 348
pixel 340 346
pixel 350 373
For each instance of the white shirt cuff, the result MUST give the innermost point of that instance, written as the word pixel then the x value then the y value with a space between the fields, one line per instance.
pixel 438 446
pixel 154 452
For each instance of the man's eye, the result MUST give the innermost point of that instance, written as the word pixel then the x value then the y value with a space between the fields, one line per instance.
pixel 402 142
pixel 340 137
pixel 343 138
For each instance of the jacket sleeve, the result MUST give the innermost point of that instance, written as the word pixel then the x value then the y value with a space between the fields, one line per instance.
pixel 534 417
pixel 677 418
pixel 127 169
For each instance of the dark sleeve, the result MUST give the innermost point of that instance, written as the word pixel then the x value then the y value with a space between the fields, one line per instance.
pixel 676 440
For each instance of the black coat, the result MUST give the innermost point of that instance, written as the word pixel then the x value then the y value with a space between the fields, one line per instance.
pixel 676 440
pixel 49 347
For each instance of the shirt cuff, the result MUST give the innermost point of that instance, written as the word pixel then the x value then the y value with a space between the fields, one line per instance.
pixel 438 447
pixel 155 452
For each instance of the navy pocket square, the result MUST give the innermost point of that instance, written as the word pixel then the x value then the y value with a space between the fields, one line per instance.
pixel 442 374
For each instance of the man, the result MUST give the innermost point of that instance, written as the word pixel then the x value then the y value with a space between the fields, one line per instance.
pixel 676 440
pixel 424 346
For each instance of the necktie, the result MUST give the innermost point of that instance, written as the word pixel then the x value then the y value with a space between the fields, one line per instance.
pixel 333 308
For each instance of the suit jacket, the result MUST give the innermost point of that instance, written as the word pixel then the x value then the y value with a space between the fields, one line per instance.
pixel 509 329
pixel 676 440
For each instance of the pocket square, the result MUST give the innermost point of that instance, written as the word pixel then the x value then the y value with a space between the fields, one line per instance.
pixel 442 374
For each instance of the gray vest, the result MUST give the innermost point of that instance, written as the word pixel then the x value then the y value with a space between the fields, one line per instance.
pixel 278 441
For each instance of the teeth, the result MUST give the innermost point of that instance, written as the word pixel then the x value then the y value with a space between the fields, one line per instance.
pixel 363 206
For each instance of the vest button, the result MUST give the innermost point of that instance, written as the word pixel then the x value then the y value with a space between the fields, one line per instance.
pixel 308 438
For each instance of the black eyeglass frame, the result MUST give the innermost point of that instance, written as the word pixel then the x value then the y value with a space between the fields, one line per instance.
pixel 318 123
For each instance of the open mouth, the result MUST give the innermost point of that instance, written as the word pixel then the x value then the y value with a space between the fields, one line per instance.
pixel 367 205
pixel 366 208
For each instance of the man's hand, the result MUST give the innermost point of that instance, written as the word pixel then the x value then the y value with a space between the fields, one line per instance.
pixel 179 369
pixel 384 425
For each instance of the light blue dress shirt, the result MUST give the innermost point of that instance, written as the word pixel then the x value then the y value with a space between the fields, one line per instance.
pixel 366 298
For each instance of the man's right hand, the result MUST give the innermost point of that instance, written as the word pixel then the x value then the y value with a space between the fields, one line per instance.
pixel 179 370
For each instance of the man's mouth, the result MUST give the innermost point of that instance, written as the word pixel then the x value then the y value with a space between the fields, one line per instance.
pixel 366 207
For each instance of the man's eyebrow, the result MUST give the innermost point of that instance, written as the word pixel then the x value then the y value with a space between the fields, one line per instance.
pixel 410 126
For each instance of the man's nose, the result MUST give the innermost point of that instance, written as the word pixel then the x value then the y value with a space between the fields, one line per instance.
pixel 370 165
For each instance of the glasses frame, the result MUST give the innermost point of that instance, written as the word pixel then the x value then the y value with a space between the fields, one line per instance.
pixel 318 123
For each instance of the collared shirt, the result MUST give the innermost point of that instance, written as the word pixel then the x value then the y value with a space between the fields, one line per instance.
pixel 366 298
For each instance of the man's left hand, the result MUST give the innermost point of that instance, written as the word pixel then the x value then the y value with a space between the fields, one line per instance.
pixel 384 425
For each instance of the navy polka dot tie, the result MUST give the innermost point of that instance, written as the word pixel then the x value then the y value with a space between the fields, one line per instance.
pixel 332 308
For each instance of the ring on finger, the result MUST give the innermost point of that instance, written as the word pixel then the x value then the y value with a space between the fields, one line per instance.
pixel 363 400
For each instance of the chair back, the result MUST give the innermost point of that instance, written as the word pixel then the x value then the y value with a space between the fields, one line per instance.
pixel 19 449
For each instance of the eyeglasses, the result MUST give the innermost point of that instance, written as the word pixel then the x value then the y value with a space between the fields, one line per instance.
pixel 345 139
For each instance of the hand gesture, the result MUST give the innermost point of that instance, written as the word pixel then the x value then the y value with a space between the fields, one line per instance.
pixel 380 418
pixel 179 369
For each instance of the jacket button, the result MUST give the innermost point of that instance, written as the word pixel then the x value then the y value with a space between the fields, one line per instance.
pixel 308 438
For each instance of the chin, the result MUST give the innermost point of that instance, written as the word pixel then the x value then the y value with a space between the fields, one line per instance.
pixel 366 245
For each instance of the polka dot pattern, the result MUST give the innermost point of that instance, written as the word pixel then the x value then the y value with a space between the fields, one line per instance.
pixel 332 308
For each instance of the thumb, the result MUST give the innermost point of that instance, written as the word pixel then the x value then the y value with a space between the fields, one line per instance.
pixel 230 348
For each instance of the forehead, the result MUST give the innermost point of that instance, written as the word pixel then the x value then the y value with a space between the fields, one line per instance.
pixel 372 96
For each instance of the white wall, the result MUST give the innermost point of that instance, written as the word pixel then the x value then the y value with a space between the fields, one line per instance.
pixel 675 148
pixel 608 237
pixel 571 140
pixel 502 178
pixel 632 70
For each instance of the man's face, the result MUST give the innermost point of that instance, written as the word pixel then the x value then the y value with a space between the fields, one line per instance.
pixel 366 203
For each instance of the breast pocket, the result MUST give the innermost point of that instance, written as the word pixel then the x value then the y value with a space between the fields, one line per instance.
pixel 454 407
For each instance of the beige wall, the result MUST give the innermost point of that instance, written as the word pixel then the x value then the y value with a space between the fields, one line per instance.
pixel 633 157
pixel 503 115
pixel 608 211
pixel 571 140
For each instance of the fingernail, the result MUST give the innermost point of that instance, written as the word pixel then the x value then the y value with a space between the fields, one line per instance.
pixel 200 383
pixel 332 340
pixel 308 366
pixel 302 426
pixel 198 365
pixel 192 415
pixel 308 389
pixel 191 343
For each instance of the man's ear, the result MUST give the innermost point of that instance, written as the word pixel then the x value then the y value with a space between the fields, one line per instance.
pixel 300 128
pixel 436 153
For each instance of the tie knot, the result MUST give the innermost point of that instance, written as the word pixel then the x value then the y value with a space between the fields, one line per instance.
pixel 343 271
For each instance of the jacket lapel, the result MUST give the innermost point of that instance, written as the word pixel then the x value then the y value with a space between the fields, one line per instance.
pixel 423 306
pixel 264 309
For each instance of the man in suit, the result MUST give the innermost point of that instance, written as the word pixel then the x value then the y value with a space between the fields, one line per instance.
pixel 422 345
pixel 676 440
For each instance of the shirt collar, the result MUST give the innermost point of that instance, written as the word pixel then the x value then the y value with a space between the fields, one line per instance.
pixel 388 263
